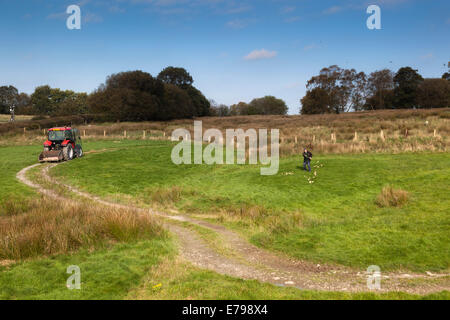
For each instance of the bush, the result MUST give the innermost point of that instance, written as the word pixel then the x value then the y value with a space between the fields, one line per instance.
pixel 390 197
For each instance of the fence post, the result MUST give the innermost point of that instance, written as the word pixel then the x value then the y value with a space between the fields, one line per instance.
pixel 355 138
pixel 296 140
pixel 314 138
pixel 434 133
pixel 382 135
pixel 84 133
pixel 104 133
pixel 124 133
pixel 143 134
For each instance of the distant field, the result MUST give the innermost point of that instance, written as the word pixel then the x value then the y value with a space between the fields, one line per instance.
pixel 334 219
pixel 390 131
pixel 6 117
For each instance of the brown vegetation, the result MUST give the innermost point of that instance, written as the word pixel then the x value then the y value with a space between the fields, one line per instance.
pixel 358 132
pixel 51 227
pixel 390 197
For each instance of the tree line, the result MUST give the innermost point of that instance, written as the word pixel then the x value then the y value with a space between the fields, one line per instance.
pixel 337 90
pixel 125 96
pixel 262 106
pixel 138 96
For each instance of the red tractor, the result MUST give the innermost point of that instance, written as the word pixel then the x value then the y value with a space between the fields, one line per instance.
pixel 62 144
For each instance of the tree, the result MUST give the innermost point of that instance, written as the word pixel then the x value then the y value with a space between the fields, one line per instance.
pixel 176 104
pixel 315 102
pixel 24 104
pixel 128 96
pixel 137 96
pixel 176 76
pixel 434 93
pixel 8 98
pixel 267 105
pixel 201 104
pixel 223 111
pixel 345 88
pixel 135 80
pixel 240 108
pixel 73 104
pixel 407 81
pixel 446 76
pixel 379 88
pixel 40 99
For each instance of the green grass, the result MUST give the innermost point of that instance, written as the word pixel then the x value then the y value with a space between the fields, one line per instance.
pixel 141 167
pixel 12 160
pixel 340 221
pixel 15 158
pixel 105 274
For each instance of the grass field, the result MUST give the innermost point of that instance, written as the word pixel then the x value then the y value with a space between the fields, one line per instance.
pixel 334 219
pixel 40 239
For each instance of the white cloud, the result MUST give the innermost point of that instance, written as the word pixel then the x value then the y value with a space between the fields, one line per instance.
pixel 286 10
pixel 332 10
pixel 92 17
pixel 292 19
pixel 59 16
pixel 239 23
pixel 427 56
pixel 260 54
pixel 311 46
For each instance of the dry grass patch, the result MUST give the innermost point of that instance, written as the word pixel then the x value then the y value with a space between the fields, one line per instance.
pixel 52 227
pixel 390 197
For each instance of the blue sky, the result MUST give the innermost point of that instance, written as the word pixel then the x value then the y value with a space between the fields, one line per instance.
pixel 235 50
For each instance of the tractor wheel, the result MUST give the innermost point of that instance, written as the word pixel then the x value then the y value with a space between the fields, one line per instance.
pixel 79 152
pixel 68 153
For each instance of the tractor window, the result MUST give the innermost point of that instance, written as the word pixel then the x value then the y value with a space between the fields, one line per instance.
pixel 69 135
pixel 56 135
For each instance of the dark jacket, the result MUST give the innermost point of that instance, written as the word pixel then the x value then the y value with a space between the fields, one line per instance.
pixel 307 156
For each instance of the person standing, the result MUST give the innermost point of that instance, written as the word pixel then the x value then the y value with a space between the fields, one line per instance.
pixel 307 156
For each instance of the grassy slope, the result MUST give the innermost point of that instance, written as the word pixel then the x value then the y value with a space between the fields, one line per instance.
pixel 340 221
pixel 15 158
pixel 112 273
pixel 105 274
pixel 12 160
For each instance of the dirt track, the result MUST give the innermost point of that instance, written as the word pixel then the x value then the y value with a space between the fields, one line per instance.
pixel 247 261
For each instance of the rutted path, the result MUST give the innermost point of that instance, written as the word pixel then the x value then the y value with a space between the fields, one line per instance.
pixel 251 262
